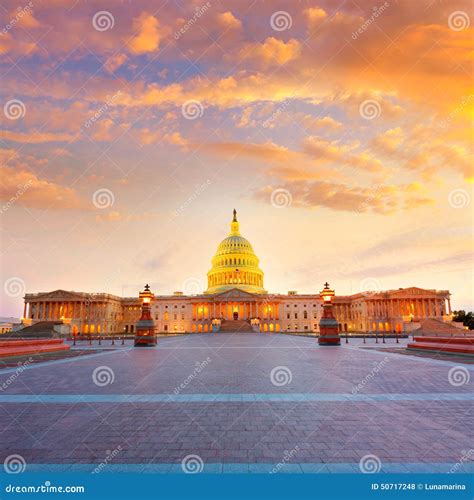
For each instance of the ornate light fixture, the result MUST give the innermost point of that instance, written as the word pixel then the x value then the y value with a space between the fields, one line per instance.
pixel 145 328
pixel 328 325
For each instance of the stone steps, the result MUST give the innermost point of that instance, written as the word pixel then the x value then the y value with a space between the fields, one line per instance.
pixel 437 328
pixel 448 345
pixel 235 326
pixel 446 340
pixel 42 329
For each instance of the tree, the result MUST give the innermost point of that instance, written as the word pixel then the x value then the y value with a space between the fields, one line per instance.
pixel 467 319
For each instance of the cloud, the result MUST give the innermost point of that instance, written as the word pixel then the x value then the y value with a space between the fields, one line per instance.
pixel 228 21
pixel 325 124
pixel 439 265
pixel 388 142
pixel 148 38
pixel 19 47
pixel 315 17
pixel 424 149
pixel 27 19
pixel 271 51
pixel 114 62
pixel 36 137
pixel 383 200
pixel 268 151
pixel 324 151
pixel 28 190
pixel 115 216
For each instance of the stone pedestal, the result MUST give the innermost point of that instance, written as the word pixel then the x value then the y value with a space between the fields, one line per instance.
pixel 145 333
pixel 329 331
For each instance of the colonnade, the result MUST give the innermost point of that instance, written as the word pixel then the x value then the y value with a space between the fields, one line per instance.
pixel 245 310
pixel 418 308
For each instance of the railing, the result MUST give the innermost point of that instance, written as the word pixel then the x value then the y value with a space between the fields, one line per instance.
pixel 119 339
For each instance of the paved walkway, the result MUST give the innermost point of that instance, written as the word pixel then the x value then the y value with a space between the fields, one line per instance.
pixel 240 402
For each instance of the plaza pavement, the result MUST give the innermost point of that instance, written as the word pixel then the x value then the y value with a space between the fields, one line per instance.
pixel 240 403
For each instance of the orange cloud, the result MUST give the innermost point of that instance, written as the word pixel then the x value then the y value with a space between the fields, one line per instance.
pixel 228 21
pixel 148 38
pixel 114 62
pixel 315 17
pixel 27 189
pixel 36 137
pixel 325 124
pixel 383 200
pixel 271 51
pixel 323 151
pixel 20 47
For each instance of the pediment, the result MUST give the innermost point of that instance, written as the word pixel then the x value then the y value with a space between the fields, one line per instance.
pixel 60 294
pixel 235 293
pixel 413 290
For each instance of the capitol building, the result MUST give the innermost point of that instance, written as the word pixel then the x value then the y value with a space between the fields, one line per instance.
pixel 236 300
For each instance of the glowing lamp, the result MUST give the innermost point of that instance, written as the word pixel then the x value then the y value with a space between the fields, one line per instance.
pixel 327 294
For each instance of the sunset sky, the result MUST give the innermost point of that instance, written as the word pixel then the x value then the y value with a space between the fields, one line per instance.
pixel 340 131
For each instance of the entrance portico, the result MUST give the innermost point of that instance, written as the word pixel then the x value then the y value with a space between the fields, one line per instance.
pixel 234 305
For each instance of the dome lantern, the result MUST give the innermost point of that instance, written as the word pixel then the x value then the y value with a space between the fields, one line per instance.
pixel 234 225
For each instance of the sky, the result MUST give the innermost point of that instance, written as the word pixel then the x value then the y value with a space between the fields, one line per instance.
pixel 341 131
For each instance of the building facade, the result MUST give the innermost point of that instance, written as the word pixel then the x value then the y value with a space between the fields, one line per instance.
pixel 236 299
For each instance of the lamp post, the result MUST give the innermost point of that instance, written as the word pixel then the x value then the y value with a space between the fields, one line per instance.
pixel 328 325
pixel 145 326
